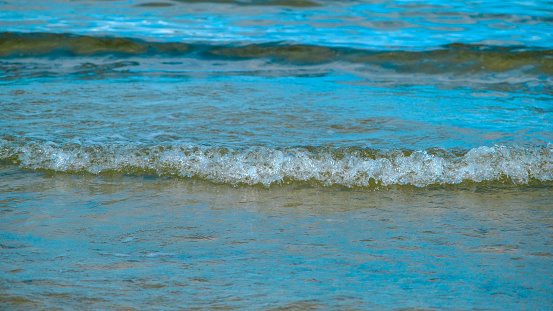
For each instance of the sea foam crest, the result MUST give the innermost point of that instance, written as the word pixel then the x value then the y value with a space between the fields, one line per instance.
pixel 352 167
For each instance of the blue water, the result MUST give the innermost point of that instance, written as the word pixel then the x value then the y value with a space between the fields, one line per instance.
pixel 281 155
pixel 365 24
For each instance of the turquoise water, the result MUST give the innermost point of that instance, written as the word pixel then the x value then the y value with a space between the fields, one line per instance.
pixel 303 155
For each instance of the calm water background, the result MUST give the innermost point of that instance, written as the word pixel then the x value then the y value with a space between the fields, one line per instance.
pixel 280 155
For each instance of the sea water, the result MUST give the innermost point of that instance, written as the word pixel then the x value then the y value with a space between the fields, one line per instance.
pixel 276 155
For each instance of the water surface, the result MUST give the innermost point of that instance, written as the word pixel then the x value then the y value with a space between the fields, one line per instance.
pixel 279 154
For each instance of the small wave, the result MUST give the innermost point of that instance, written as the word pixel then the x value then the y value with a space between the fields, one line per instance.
pixel 51 44
pixel 456 57
pixel 350 166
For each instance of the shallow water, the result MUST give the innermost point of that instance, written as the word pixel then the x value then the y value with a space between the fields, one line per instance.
pixel 147 243
pixel 276 155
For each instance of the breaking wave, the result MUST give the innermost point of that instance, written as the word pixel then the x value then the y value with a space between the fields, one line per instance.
pixel 349 166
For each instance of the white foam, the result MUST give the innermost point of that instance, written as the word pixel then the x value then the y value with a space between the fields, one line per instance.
pixel 352 167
